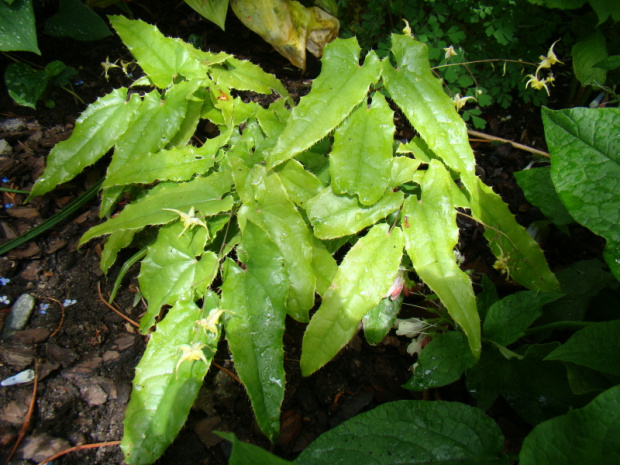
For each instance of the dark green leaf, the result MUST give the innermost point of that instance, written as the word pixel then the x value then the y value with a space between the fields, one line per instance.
pixel 17 27
pixel 25 84
pixel 540 191
pixel 411 432
pixel 75 20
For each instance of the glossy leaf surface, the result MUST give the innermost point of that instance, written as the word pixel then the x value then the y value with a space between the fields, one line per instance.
pixel 335 216
pixel 256 297
pixel 96 131
pixel 204 194
pixel 363 278
pixel 319 112
pixel 164 388
pixel 360 160
pixel 174 268
pixel 431 238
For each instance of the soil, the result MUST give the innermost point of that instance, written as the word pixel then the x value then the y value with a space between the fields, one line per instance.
pixel 84 353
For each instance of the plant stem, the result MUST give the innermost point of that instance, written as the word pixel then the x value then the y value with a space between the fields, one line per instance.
pixel 13 191
pixel 506 141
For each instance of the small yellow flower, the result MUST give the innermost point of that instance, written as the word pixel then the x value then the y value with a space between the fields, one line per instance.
pixel 107 66
pixel 449 52
pixel 537 83
pixel 459 102
pixel 550 59
pixel 209 324
pixel 189 220
pixel 407 30
pixel 191 353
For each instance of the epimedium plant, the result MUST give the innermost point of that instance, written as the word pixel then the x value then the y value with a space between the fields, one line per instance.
pixel 242 230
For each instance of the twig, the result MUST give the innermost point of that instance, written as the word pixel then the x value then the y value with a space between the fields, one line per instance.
pixel 228 372
pixel 22 432
pixel 80 447
pixel 506 141
pixel 62 317
pixel 113 309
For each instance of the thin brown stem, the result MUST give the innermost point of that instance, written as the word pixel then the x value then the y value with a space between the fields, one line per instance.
pixel 516 145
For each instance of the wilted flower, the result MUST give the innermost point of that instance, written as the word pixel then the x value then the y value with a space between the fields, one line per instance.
pixel 417 344
pixel 396 288
pixel 107 66
pixel 411 327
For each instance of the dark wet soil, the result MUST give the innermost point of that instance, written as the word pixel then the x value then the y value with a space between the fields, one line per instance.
pixel 84 353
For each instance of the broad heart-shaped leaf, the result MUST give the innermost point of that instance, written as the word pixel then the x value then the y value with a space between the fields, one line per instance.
pixel 335 216
pixel 203 193
pixel 431 238
pixel 585 169
pixel 164 387
pixel 319 112
pixel 163 59
pixel 508 319
pixel 245 75
pixel 256 298
pixel 96 131
pixel 360 161
pixel 17 27
pixel 175 268
pixel 363 278
pixel 411 432
pixel 76 20
pixel 277 215
pixel 213 10
pixel 441 362
pixel 539 191
pixel 596 347
pixel 25 84
pixel 433 115
pixel 586 435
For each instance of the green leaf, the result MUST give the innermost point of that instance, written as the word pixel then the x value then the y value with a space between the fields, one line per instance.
pixel 244 453
pixel 363 278
pixel 17 27
pixel 441 362
pixel 380 319
pixel 596 346
pixel 585 169
pixel 604 9
pixel 586 435
pixel 300 184
pixel 256 297
pixel 175 268
pixel 403 169
pixel 487 297
pixel 411 432
pixel 277 215
pixel 431 238
pixel 319 112
pixel 75 20
pixel 213 10
pixel 508 319
pixel 334 215
pixel 586 54
pixel 164 388
pixel 116 241
pixel 510 242
pixel 433 115
pixel 96 131
pixel 361 157
pixel 204 194
pixel 155 123
pixel 325 267
pixel 245 75
pixel 540 192
pixel 163 59
pixel 25 84
pixel 445 134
